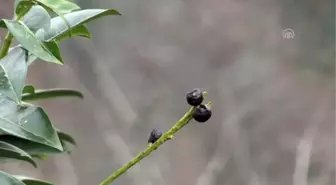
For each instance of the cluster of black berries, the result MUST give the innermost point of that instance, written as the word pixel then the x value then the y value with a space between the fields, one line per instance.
pixel 202 112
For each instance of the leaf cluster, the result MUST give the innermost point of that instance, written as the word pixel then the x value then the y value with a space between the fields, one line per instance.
pixel 26 132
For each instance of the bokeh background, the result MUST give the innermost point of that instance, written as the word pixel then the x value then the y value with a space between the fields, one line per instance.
pixel 273 99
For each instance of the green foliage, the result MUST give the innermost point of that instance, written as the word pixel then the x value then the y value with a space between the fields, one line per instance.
pixel 9 151
pixel 13 70
pixel 51 93
pixel 37 18
pixel 7 179
pixel 31 181
pixel 26 132
pixel 46 51
pixel 58 28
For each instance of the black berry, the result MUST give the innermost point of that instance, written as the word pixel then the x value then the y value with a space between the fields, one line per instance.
pixel 202 113
pixel 195 97
pixel 154 135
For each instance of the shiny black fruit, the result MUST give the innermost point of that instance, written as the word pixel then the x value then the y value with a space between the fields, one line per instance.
pixel 195 97
pixel 202 113
pixel 154 135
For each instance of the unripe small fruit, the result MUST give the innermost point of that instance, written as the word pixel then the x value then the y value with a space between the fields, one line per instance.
pixel 202 113
pixel 195 97
pixel 154 135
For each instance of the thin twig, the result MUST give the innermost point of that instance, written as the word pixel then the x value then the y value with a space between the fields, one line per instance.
pixel 168 135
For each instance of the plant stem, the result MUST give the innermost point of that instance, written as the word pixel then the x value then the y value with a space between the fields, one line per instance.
pixel 9 38
pixel 6 44
pixel 168 135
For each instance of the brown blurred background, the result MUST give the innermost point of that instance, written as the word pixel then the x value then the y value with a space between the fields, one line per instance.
pixel 273 98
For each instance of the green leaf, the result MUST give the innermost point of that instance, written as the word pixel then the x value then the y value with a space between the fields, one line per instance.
pixel 58 6
pixel 7 179
pixel 81 31
pixel 59 28
pixel 28 40
pixel 37 18
pixel 40 156
pixel 66 138
pixel 68 142
pixel 28 122
pixel 38 150
pixel 3 25
pixel 22 7
pixel 28 89
pixel 31 181
pixel 51 93
pixel 12 152
pixel 32 148
pixel 54 49
pixel 13 71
